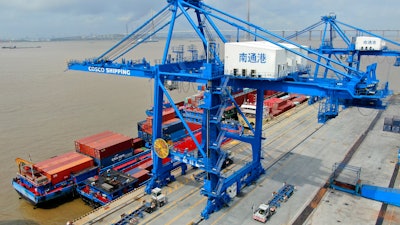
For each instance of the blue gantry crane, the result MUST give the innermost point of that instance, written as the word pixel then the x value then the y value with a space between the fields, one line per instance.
pixel 350 52
pixel 209 25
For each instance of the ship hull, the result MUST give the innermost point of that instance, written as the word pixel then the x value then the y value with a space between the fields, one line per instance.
pixel 43 200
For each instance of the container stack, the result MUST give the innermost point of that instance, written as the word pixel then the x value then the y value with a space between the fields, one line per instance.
pixel 60 168
pixel 106 148
pixel 278 105
pixel 172 127
pixel 141 169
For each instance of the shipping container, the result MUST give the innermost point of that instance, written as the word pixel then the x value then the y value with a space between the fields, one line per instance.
pixel 108 161
pixel 299 99
pixel 187 144
pixel 137 143
pixel 60 168
pixel 139 150
pixel 251 98
pixel 176 136
pixel 104 145
pixel 135 162
pixel 167 114
pixel 127 165
pixel 172 129
pixel 172 126
pixel 132 171
pixel 140 174
pixel 261 59
pixel 111 146
pixel 148 165
pixel 194 126
pixel 80 145
pixel 166 160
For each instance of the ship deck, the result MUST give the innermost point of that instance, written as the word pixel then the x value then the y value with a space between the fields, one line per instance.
pixel 298 151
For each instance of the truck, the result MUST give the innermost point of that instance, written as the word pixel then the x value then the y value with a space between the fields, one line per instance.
pixel 265 210
pixel 158 199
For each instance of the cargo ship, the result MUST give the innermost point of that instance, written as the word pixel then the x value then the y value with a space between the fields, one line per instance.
pixel 58 177
pixel 109 152
pixel 44 182
pixel 95 156
pixel 125 167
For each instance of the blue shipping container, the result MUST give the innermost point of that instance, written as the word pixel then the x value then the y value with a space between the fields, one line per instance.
pixel 133 171
pixel 114 158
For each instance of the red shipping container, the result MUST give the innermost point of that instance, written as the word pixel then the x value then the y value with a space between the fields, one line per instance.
pixel 300 99
pixel 134 163
pixel 167 114
pixel 137 143
pixel 141 175
pixel 126 166
pixel 111 145
pixel 140 150
pixel 270 102
pixel 147 128
pixel 193 126
pixel 166 160
pixel 148 165
pixel 188 143
pixel 81 143
pixel 60 168
pixel 137 151
pixel 286 107
pixel 269 92
pixel 251 97
pixel 279 103
pixel 104 145
pixel 275 112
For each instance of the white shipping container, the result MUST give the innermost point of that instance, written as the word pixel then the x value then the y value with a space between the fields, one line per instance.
pixel 364 43
pixel 260 59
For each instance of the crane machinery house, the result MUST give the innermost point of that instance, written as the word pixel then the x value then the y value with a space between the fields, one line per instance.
pixel 262 59
pixel 364 43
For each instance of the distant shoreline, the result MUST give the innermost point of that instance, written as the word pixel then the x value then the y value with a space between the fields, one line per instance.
pixel 18 47
pixel 312 35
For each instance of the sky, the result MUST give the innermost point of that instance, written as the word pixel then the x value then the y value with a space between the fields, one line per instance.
pixel 63 18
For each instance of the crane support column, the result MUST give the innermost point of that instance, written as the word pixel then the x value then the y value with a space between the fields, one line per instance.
pixel 161 174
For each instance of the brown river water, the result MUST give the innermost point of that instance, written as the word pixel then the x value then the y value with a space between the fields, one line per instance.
pixel 44 108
